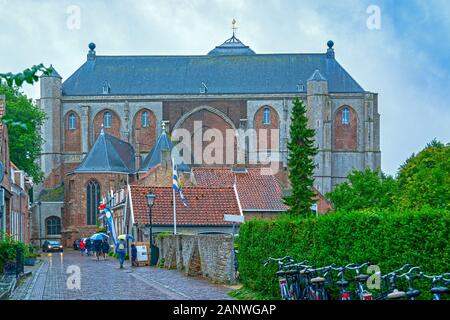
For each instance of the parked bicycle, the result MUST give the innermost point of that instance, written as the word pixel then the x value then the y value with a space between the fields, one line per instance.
pixel 439 283
pixel 299 281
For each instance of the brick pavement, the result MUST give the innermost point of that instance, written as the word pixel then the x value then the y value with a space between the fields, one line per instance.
pixel 103 280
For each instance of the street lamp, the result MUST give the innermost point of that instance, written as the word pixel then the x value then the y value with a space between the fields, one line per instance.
pixel 150 202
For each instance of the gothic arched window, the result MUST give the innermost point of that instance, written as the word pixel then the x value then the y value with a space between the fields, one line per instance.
pixel 266 116
pixel 53 226
pixel 144 119
pixel 93 201
pixel 107 119
pixel 72 121
pixel 345 119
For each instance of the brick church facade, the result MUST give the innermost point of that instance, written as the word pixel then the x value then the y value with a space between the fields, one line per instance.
pixel 231 87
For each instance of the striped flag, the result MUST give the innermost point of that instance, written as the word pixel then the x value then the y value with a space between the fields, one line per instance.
pixel 177 185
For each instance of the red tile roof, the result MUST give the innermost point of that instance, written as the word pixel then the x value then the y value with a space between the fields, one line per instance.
pixel 207 206
pixel 257 188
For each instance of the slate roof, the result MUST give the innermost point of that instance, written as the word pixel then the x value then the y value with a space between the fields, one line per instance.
pixel 231 68
pixel 207 206
pixel 153 158
pixel 257 192
pixel 54 73
pixel 232 46
pixel 108 154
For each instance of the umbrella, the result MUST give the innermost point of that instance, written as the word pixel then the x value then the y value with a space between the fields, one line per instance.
pixel 125 236
pixel 99 236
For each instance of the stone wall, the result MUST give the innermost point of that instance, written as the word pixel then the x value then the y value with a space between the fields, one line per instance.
pixel 209 256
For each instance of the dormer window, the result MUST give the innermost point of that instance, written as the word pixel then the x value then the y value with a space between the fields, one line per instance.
pixel 144 119
pixel 345 118
pixel 266 116
pixel 107 119
pixel 203 88
pixel 106 88
pixel 72 122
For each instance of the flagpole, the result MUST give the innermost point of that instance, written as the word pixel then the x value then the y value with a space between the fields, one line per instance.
pixel 174 200
pixel 174 213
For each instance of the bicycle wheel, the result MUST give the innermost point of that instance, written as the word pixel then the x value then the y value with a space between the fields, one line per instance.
pixel 284 292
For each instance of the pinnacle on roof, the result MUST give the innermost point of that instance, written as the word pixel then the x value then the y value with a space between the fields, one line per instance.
pixel 232 46
pixel 317 76
pixel 53 73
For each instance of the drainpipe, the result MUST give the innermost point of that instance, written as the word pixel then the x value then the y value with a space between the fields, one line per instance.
pixel 40 225
pixel 20 215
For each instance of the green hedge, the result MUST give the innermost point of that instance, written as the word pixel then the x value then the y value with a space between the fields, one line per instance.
pixel 389 239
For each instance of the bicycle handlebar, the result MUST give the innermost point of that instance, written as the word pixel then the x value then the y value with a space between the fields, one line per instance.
pixel 440 277
pixel 357 267
pixel 279 260
pixel 407 273
pixel 297 265
pixel 327 268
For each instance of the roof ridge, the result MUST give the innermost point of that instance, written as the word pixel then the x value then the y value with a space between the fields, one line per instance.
pixel 209 56
pixel 184 187
pixel 108 164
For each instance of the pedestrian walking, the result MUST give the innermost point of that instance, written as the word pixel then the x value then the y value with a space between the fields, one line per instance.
pixel 121 251
pixel 133 255
pixel 88 245
pixel 98 248
pixel 82 247
pixel 105 248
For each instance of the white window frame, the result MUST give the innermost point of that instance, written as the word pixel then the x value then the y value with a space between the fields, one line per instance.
pixel 72 121
pixel 107 119
pixel 266 116
pixel 144 119
pixel 345 117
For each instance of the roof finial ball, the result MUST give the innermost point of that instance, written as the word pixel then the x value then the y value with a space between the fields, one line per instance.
pixel 330 50
pixel 91 53
pixel 330 44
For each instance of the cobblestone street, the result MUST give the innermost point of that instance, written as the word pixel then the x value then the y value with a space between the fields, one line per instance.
pixel 103 280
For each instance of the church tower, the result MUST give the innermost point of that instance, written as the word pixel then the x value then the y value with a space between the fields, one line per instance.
pixel 50 103
pixel 319 113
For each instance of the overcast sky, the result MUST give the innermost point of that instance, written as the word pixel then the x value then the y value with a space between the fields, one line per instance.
pixel 405 60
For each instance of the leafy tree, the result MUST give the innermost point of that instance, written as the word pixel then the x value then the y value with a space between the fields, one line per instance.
pixel 424 179
pixel 23 120
pixel 29 75
pixel 365 190
pixel 301 160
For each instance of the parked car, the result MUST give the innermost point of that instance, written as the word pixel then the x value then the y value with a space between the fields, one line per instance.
pixel 52 245
pixel 76 244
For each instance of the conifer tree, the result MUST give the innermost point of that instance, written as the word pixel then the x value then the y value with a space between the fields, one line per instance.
pixel 301 161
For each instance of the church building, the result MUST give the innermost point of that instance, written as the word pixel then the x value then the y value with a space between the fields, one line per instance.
pixel 231 87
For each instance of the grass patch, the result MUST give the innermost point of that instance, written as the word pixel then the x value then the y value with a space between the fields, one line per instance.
pixel 244 293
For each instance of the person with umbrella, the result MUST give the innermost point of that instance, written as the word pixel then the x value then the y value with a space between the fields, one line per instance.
pixel 82 246
pixel 121 248
pixel 105 248
pixel 88 245
pixel 121 251
pixel 97 241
